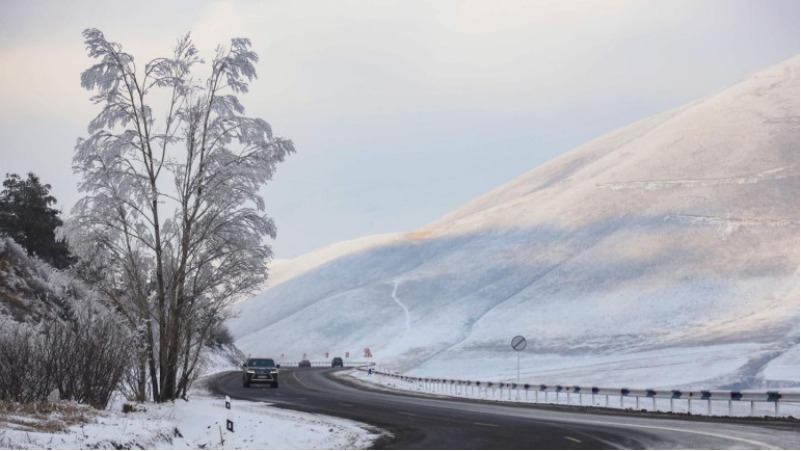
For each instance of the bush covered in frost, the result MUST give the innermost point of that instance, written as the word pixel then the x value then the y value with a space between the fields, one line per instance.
pixel 58 338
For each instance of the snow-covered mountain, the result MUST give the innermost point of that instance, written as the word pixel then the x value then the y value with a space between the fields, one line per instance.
pixel 665 253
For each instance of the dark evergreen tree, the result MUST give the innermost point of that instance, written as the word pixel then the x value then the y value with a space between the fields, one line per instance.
pixel 26 217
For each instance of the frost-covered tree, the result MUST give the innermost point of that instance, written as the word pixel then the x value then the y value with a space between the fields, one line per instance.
pixel 172 215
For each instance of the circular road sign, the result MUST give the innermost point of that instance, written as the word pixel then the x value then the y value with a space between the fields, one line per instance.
pixel 519 343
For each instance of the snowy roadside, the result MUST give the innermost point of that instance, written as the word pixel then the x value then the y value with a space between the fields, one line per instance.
pixel 718 408
pixel 199 423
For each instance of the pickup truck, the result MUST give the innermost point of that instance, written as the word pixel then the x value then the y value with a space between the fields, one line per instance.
pixel 260 370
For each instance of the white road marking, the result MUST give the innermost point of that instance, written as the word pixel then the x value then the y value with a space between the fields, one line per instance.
pixel 407 414
pixel 295 375
pixel 753 443
pixel 345 404
pixel 573 439
pixel 486 424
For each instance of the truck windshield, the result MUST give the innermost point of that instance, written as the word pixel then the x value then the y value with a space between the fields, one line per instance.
pixel 261 362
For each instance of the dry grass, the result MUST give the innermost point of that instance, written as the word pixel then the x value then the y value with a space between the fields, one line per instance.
pixel 44 416
pixel 418 235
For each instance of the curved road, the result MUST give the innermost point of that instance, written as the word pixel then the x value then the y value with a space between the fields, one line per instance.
pixel 425 422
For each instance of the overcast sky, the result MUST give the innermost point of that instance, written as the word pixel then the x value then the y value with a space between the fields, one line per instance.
pixel 400 111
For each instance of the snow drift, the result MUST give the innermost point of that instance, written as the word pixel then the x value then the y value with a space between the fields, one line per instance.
pixel 662 254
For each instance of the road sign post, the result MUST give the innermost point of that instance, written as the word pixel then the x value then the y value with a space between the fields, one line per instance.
pixel 518 344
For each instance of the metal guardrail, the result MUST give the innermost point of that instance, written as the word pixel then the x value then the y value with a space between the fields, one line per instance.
pixel 359 363
pixel 459 387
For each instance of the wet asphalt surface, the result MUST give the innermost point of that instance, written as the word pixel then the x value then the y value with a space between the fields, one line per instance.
pixel 425 422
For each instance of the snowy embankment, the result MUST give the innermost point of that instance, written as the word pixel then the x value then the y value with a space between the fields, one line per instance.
pixel 661 255
pixel 199 423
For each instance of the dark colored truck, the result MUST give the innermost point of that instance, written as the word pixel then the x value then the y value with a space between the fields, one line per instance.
pixel 260 371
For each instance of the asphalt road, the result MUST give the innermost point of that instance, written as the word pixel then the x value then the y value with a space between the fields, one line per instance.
pixel 424 422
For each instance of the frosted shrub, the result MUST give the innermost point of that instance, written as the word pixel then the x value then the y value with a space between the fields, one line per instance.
pixel 25 373
pixel 84 360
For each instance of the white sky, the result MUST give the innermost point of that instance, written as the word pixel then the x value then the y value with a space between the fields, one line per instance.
pixel 400 110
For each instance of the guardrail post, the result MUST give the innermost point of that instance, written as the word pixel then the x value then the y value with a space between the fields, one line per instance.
pixel 607 400
pixel 774 396
pixel 752 408
pixel 637 402
pixel 709 407
pixel 690 406
pixel 671 405
pixel 730 407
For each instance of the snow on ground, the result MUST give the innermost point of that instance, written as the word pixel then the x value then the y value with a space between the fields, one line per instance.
pixel 785 366
pixel 664 253
pixel 674 368
pixel 199 423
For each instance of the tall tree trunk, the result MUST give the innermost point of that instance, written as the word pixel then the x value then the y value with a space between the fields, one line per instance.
pixel 151 360
pixel 141 376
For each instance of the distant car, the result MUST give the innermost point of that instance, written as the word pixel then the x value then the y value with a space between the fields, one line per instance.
pixel 260 370
pixel 337 362
pixel 304 364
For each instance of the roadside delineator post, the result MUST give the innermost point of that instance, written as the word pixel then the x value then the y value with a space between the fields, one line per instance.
pixel 229 425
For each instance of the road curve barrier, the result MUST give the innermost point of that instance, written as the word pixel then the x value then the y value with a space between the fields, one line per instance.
pixel 696 402
pixel 321 363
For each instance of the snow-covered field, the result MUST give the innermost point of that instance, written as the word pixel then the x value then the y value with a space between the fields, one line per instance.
pixel 199 423
pixel 663 254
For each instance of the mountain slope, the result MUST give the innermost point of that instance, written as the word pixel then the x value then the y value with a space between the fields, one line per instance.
pixel 663 253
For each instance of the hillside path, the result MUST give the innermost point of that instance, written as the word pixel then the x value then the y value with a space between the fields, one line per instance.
pixel 405 309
